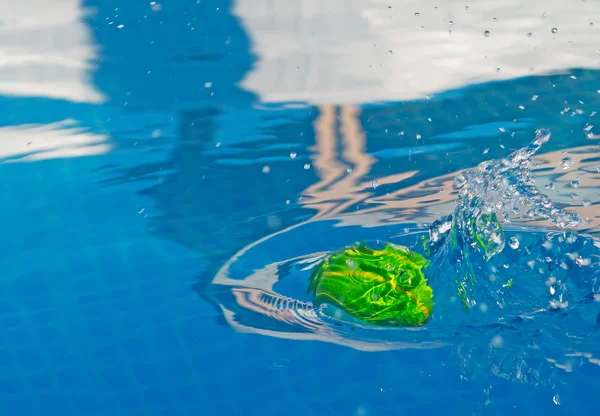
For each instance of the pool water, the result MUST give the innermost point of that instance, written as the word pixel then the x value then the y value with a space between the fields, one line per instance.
pixel 172 171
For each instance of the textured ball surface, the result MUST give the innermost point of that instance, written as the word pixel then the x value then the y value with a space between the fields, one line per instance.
pixel 382 286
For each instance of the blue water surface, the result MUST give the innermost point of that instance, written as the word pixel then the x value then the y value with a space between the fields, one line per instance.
pixel 112 241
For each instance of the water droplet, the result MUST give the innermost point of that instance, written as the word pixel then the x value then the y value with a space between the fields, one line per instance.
pixel 418 136
pixel 494 19
pixel 293 155
pixel 306 166
pixel 529 34
pixel 375 184
pixel 522 107
pixel 155 6
pixel 451 22
pixel 497 69
pixel 459 182
pixel 266 169
pixel 535 97
pixel 297 68
pixel 566 162
pixel 466 7
pixel 591 24
pixel 554 30
pixel 513 243
pixel 486 150
pixel 556 399
pixel 120 26
pixel 208 84
pixel 417 14
pixel 486 33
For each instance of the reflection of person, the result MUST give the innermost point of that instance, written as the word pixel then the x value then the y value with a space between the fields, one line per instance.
pixel 181 55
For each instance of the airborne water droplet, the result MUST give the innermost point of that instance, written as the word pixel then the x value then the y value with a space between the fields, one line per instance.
pixel 486 33
pixel 513 243
pixel 554 30
pixel 566 162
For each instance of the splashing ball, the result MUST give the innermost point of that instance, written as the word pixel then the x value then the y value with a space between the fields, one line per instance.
pixel 383 286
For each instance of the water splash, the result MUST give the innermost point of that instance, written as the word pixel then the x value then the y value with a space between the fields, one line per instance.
pixel 494 191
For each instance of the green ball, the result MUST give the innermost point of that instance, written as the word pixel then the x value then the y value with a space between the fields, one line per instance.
pixel 382 286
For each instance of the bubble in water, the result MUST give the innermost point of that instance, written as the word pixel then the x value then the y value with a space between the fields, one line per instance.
pixel 566 162
pixel 580 261
pixel 486 33
pixel 554 30
pixel 596 282
pixel 497 342
pixel 513 243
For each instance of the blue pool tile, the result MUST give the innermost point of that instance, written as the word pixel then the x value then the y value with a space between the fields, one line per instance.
pixel 42 381
pixel 31 360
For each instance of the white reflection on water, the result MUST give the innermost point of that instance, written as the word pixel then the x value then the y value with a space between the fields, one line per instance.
pixel 33 142
pixel 46 51
pixel 338 52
